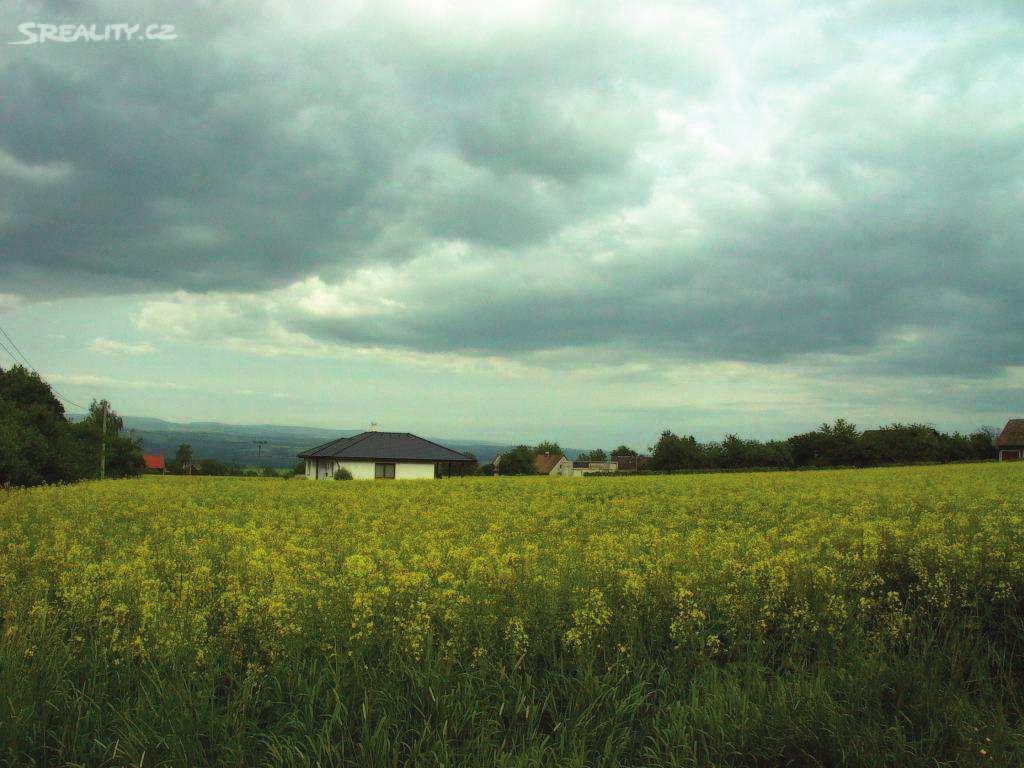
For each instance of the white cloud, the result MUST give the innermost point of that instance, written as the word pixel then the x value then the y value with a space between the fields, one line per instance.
pixel 14 169
pixel 108 382
pixel 110 347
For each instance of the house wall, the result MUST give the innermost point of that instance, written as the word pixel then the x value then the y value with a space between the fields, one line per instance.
pixel 365 470
pixel 595 466
pixel 604 466
pixel 562 469
pixel 412 471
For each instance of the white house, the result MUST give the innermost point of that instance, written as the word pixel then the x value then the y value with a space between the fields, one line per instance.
pixel 382 456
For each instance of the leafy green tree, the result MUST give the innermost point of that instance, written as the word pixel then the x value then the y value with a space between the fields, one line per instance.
pixel 983 446
pixel 623 450
pixel 548 446
pixel 182 458
pixel 673 452
pixel 735 453
pixel 342 474
pixel 36 441
pixel 903 444
pixel 595 455
pixel 518 461
pixel 299 468
pixel 217 468
pixel 830 445
pixel 123 453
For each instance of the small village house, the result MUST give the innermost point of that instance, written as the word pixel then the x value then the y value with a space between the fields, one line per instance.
pixel 382 456
pixel 581 468
pixel 1011 441
pixel 553 464
pixel 155 463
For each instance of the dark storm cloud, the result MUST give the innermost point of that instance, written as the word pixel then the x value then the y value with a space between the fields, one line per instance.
pixel 245 154
pixel 843 179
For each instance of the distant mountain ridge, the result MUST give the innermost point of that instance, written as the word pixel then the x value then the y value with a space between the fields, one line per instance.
pixel 234 443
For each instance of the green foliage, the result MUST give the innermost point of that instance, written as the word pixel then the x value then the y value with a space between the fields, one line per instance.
pixel 36 441
pixel 212 467
pixel 673 452
pixel 828 446
pixel 123 452
pixel 299 468
pixel 519 461
pixel 39 445
pixel 623 450
pixel 182 459
pixel 548 446
pixel 596 455
pixel 342 474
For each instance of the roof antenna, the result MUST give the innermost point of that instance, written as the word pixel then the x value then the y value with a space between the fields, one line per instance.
pixel 373 426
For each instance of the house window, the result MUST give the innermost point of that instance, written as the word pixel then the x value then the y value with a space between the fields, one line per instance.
pixel 384 471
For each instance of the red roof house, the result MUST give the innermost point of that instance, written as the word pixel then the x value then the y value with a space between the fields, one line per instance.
pixel 1011 441
pixel 155 462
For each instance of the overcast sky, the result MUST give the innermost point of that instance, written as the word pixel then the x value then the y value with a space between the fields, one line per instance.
pixel 579 221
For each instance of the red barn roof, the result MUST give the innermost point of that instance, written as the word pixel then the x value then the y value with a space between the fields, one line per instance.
pixel 1012 435
pixel 545 462
pixel 154 461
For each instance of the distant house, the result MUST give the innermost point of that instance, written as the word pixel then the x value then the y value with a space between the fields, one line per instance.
pixel 553 464
pixel 629 463
pixel 155 463
pixel 581 468
pixel 1011 441
pixel 382 456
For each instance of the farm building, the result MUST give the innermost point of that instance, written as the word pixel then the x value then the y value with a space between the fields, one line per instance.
pixel 1011 441
pixel 581 468
pixel 155 462
pixel 382 456
pixel 553 464
pixel 627 462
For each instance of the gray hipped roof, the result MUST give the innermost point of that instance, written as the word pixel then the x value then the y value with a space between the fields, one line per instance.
pixel 384 446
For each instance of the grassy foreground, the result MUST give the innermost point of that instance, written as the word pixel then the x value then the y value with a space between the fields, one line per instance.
pixel 862 618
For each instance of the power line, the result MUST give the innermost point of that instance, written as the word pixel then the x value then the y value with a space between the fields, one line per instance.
pixel 22 354
pixel 57 392
pixel 5 349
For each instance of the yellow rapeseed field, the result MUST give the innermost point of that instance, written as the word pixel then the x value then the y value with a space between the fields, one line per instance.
pixel 240 582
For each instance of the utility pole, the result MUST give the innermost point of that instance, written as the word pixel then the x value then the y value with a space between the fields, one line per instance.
pixel 103 444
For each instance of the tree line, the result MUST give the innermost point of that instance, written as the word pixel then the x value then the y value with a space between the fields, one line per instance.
pixel 839 444
pixel 39 444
